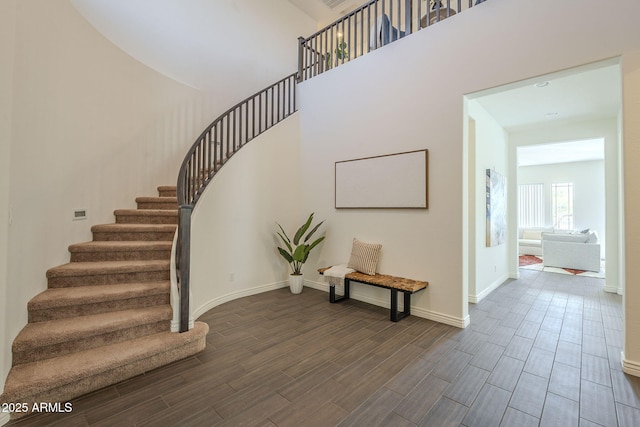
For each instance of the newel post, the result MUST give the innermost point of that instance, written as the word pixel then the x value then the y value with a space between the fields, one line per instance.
pixel 184 263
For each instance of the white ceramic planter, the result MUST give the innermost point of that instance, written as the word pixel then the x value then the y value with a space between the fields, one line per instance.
pixel 295 283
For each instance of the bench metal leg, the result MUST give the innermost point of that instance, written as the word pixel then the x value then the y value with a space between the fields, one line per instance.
pixel 332 292
pixel 395 314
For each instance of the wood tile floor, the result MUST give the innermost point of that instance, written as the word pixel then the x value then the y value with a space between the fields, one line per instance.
pixel 543 350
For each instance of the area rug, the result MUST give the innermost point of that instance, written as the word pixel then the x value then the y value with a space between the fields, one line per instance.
pixel 532 262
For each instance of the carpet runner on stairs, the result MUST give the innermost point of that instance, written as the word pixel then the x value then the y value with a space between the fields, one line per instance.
pixel 106 315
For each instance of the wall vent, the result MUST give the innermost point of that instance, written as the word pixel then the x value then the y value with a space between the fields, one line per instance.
pixel 79 214
pixel 333 3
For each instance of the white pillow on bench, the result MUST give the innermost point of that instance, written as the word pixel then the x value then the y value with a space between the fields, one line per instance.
pixel 364 257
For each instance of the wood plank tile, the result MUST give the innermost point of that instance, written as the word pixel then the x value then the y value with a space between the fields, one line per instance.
pixel 327 415
pixel 597 404
pixel 449 367
pixel 519 347
pixel 529 394
pixel 528 329
pixel 467 385
pixel 132 415
pixel 569 353
pixel 506 373
pixel 299 411
pixel 502 336
pixel 488 408
pixel 421 399
pixel 374 410
pixel 410 376
pixel 565 381
pixel 628 416
pixel 560 411
pixel 487 357
pixel 513 417
pixel 256 413
pixel 626 389
pixel 596 369
pixel 546 340
pixel 539 362
pixel 445 413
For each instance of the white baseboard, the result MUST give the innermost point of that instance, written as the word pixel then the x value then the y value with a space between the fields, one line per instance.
pixel 415 311
pixel 474 299
pixel 4 418
pixel 630 367
pixel 611 289
pixel 235 295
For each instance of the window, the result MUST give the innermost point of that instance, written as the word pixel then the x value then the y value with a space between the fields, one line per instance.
pixel 531 205
pixel 562 200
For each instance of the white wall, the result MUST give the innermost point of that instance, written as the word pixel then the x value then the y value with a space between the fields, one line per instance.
pixel 631 135
pixel 408 95
pixel 248 44
pixel 588 185
pixel 91 127
pixel 7 28
pixel 491 263
pixel 234 243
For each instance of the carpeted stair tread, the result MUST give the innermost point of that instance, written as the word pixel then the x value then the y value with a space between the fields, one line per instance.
pixel 42 334
pixel 167 190
pixel 94 273
pixel 157 202
pixel 129 232
pixel 64 297
pixel 120 250
pixel 146 216
pixel 106 267
pixel 140 228
pixel 65 377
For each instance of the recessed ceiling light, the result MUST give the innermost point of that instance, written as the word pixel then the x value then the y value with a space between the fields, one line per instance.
pixel 541 84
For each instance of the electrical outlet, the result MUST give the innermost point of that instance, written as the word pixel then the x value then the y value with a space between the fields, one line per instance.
pixel 232 277
pixel 495 268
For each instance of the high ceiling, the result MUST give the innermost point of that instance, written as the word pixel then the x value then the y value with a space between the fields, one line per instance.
pixel 327 11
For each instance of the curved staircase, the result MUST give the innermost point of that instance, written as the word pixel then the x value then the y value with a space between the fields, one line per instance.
pixel 106 315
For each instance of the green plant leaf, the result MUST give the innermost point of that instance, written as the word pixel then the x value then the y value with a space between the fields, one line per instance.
pixel 299 254
pixel 302 230
pixel 286 242
pixel 283 232
pixel 315 243
pixel 312 231
pixel 285 255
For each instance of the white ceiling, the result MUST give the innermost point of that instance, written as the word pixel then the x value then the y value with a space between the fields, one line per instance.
pixel 592 92
pixel 563 152
pixel 588 93
pixel 327 11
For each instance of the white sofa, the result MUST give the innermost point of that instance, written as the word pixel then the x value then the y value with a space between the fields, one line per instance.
pixel 530 240
pixel 579 251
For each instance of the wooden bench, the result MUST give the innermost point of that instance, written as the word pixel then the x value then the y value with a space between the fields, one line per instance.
pixel 394 284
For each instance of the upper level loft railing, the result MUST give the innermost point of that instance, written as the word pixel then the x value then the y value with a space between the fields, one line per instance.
pixel 212 149
pixel 369 27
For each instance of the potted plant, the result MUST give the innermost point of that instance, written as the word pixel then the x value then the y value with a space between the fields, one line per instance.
pixel 296 251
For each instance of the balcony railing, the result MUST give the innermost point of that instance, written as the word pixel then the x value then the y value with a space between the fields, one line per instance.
pixel 371 26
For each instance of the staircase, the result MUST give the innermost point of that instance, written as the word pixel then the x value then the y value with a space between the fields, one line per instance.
pixel 106 315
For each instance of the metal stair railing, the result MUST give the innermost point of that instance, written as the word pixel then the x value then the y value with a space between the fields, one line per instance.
pixel 210 152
